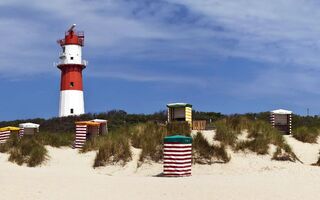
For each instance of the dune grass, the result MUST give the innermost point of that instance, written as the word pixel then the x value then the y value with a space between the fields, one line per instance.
pixel 114 150
pixel 55 139
pixel 26 150
pixel 260 136
pixel 93 144
pixel 10 143
pixel 30 149
pixel 304 134
pixel 204 153
pixel 178 128
pixel 284 154
pixel 258 145
pixel 263 134
pixel 225 133
pixel 149 138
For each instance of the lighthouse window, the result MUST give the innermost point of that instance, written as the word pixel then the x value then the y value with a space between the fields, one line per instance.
pixel 71 58
pixel 63 49
pixel 71 84
pixel 71 110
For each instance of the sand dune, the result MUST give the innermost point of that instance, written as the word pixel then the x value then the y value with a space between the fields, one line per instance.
pixel 69 175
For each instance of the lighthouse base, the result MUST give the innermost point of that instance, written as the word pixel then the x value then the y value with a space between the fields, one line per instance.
pixel 71 103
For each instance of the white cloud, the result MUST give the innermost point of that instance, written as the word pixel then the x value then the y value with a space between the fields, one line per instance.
pixel 273 30
pixel 279 33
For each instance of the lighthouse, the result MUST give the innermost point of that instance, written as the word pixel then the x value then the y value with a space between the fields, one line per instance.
pixel 71 66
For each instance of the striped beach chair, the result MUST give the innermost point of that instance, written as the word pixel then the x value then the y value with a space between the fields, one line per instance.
pixel 177 156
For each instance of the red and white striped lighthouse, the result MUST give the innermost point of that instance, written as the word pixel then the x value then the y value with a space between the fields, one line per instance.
pixel 71 66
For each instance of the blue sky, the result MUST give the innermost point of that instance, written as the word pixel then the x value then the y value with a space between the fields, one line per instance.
pixel 232 56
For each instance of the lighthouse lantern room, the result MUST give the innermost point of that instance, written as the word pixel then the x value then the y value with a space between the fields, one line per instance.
pixel 71 66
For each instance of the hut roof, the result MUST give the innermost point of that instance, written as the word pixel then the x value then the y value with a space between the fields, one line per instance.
pixel 9 128
pixel 89 123
pixel 178 105
pixel 29 125
pixel 178 139
pixel 99 120
pixel 282 111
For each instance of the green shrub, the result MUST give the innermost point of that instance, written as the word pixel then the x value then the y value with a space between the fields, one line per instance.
pixel 178 128
pixel 203 152
pixel 304 134
pixel 116 149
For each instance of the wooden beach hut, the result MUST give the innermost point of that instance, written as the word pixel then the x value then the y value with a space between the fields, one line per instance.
pixel 5 133
pixel 180 112
pixel 28 129
pixel 85 130
pixel 199 125
pixel 282 120
pixel 177 156
pixel 103 128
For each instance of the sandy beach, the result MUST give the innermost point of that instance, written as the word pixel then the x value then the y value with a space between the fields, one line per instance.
pixel 69 175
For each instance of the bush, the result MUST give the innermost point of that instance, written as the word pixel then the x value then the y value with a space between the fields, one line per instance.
pixel 116 149
pixel 304 134
pixel 178 128
pixel 203 152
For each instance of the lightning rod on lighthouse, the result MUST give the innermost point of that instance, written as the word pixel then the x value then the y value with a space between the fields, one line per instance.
pixel 71 66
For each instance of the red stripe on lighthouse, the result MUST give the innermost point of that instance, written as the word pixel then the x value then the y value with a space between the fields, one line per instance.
pixel 71 77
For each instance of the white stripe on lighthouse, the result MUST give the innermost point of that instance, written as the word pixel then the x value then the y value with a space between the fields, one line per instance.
pixel 71 103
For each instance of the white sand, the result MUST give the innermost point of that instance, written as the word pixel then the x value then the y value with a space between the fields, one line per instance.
pixel 307 153
pixel 69 175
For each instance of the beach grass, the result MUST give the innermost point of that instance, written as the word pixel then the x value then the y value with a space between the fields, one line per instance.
pixel 205 153
pixel 114 150
pixel 225 133
pixel 27 150
pixel 149 138
pixel 305 134
pixel 178 128
pixel 55 139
